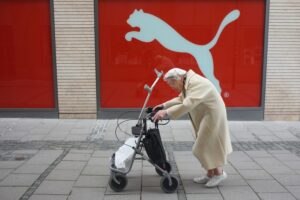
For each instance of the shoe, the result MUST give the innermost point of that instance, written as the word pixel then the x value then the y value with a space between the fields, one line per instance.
pixel 216 180
pixel 201 179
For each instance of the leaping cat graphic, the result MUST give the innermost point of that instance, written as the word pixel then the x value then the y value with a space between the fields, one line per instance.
pixel 152 27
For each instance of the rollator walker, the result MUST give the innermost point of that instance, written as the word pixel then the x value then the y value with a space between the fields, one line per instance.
pixel 143 137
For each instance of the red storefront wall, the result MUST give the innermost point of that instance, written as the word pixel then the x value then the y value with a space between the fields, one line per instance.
pixel 125 66
pixel 26 74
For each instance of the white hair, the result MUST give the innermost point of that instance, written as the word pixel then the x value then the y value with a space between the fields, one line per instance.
pixel 174 73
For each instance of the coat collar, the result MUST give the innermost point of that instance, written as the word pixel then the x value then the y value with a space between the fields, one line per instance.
pixel 189 75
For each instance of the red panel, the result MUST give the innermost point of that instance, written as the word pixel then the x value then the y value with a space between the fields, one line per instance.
pixel 25 55
pixel 126 66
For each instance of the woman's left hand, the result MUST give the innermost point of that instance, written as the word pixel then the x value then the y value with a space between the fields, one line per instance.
pixel 159 115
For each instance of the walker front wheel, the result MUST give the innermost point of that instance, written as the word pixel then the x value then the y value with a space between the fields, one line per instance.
pixel 119 183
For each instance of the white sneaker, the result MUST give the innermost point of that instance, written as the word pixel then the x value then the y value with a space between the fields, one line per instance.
pixel 201 179
pixel 216 180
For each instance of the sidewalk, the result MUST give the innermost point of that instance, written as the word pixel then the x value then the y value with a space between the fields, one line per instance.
pixel 68 159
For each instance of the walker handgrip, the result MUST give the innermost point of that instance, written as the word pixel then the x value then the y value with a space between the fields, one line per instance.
pixel 146 87
pixel 158 74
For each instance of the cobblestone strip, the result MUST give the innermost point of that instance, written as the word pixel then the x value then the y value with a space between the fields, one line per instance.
pixel 180 192
pixel 292 146
pixel 42 177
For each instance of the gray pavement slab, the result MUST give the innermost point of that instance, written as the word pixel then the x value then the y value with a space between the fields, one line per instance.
pixel 294 190
pixel 10 164
pixel 31 169
pixel 276 196
pixel 71 165
pixel 92 181
pixel 4 173
pixel 192 188
pixel 122 197
pixel 87 194
pixel 266 186
pixel 11 193
pixel 48 197
pixel 238 193
pixel 150 193
pixel 64 175
pixel 255 174
pixel 19 180
pixel 55 187
pixel 204 197
pixel 288 180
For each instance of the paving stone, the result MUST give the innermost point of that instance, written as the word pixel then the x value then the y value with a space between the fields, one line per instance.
pixel 276 196
pixel 92 181
pixel 194 188
pixel 103 154
pixel 76 151
pixel 238 193
pixel 266 186
pixel 276 152
pixel 151 181
pixel 273 170
pixel 288 180
pixel 98 162
pixel 287 157
pixel 100 171
pixel 55 187
pixel 245 165
pixel 123 197
pixel 4 173
pixel 76 138
pixel 48 197
pixel 64 175
pixel 150 193
pixel 293 164
pixel 44 157
pixel 11 193
pixel 71 165
pixel 87 194
pixel 295 190
pixel 258 154
pixel 19 180
pixel 239 156
pixel 255 174
pixel 77 157
pixel 31 169
pixel 204 197
pixel 10 164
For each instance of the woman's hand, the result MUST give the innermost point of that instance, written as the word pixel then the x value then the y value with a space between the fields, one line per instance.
pixel 159 115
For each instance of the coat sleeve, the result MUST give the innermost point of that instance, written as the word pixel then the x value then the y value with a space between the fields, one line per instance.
pixel 196 94
pixel 172 102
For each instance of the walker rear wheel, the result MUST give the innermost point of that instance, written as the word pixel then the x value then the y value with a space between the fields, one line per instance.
pixel 168 187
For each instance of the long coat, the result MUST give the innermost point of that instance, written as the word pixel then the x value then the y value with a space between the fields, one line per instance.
pixel 207 112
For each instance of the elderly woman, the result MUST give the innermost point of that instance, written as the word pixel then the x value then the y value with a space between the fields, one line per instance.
pixel 200 99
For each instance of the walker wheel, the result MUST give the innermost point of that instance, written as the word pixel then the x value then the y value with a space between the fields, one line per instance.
pixel 166 187
pixel 120 185
pixel 168 168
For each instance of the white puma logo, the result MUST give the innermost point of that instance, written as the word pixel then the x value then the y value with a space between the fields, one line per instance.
pixel 152 27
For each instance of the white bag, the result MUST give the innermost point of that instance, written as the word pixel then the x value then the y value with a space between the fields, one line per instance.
pixel 124 155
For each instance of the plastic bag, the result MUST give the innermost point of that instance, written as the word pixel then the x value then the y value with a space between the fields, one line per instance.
pixel 124 155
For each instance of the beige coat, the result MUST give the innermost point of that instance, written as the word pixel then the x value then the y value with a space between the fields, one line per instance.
pixel 208 115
